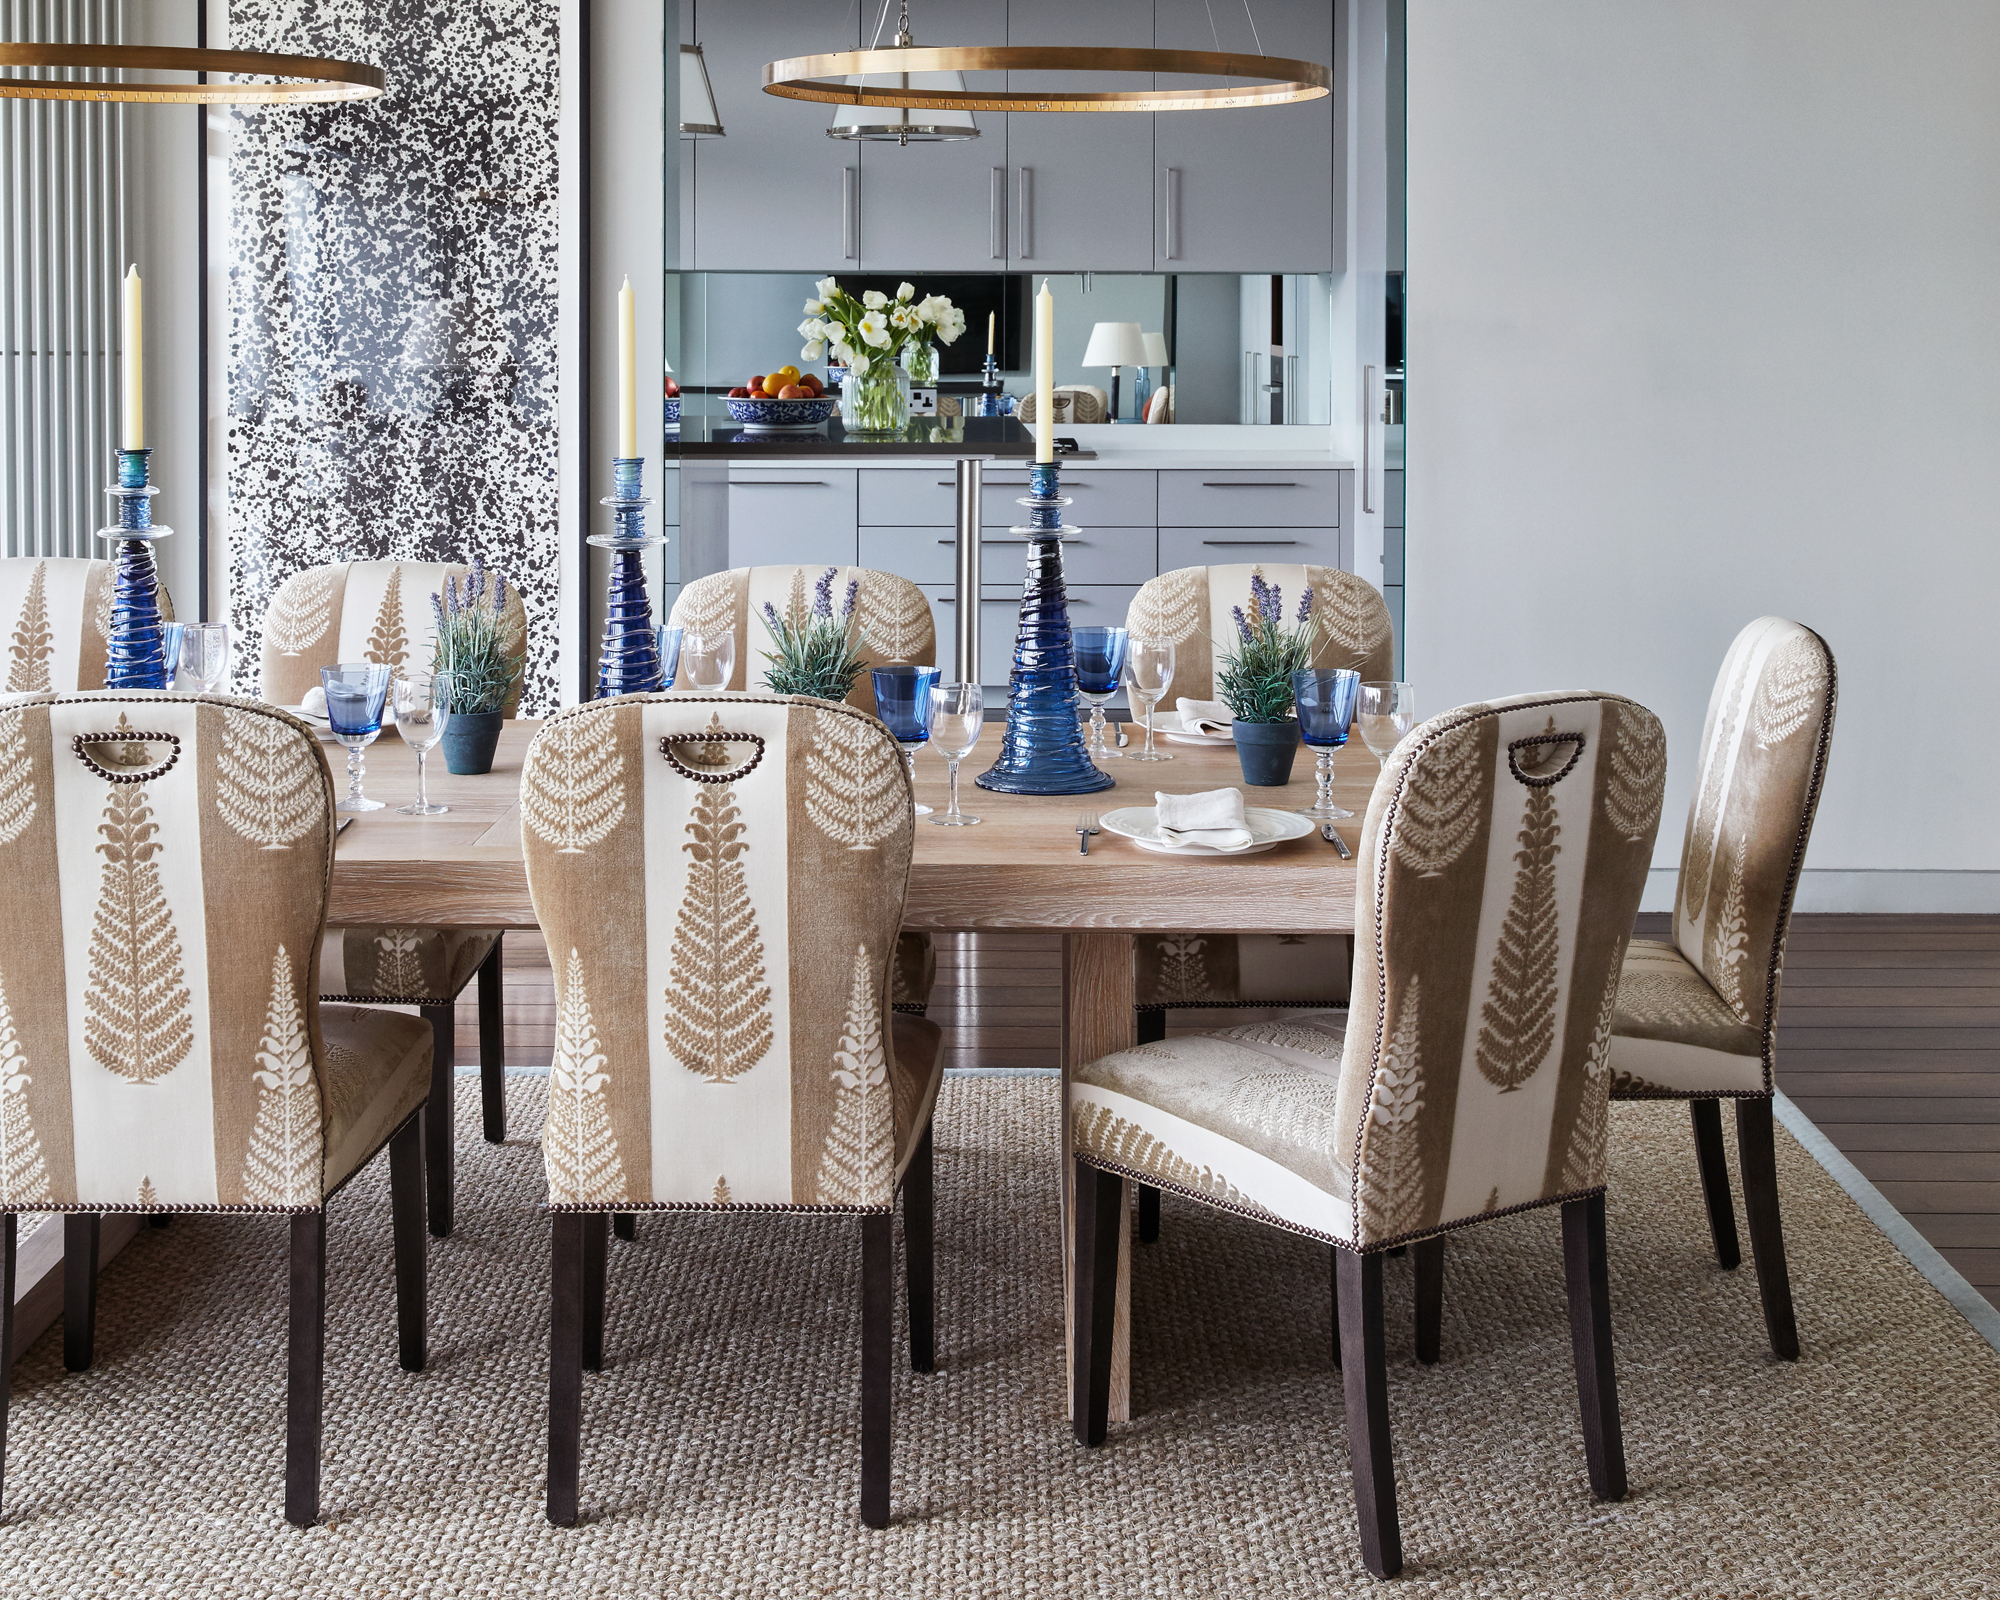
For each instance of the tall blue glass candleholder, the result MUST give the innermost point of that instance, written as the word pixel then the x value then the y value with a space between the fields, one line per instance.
pixel 629 661
pixel 138 656
pixel 1043 751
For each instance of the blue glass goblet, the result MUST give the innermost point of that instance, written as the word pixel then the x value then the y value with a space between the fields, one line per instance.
pixel 667 640
pixel 1100 662
pixel 903 702
pixel 355 694
pixel 1325 699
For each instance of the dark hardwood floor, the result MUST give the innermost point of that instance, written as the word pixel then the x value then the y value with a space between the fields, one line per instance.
pixel 1888 1038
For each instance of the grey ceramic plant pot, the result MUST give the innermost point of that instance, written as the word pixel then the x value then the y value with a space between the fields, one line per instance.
pixel 470 738
pixel 1265 750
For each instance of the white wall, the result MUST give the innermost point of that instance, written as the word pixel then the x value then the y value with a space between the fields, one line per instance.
pixel 1705 323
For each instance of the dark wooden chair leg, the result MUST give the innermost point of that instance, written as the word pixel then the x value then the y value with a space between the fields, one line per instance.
pixel 406 1218
pixel 625 1225
pixel 1149 1025
pixel 594 1239
pixel 565 1364
pixel 878 1338
pixel 1427 1256
pixel 1149 1214
pixel 1714 1165
pixel 1756 1148
pixel 1589 1284
pixel 1096 1198
pixel 160 1219
pixel 1336 1307
pixel 438 1116
pixel 305 1377
pixel 7 1244
pixel 80 1235
pixel 919 1253
pixel 492 1049
pixel 1365 1378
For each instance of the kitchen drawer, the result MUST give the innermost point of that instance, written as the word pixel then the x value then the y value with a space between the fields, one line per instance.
pixel 1392 499
pixel 930 555
pixel 1090 605
pixel 1218 499
pixel 927 498
pixel 1228 547
pixel 780 515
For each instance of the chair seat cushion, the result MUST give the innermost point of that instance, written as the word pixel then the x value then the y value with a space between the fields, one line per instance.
pixel 914 1080
pixel 376 1072
pixel 1672 1034
pixel 401 965
pixel 1266 969
pixel 1244 1118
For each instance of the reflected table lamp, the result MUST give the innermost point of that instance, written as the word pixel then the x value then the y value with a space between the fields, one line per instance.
pixel 1115 345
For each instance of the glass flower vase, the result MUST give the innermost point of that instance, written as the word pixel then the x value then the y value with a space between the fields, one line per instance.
pixel 876 401
pixel 920 361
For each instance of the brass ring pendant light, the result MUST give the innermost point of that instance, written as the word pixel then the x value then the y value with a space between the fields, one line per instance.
pixel 308 79
pixel 1289 81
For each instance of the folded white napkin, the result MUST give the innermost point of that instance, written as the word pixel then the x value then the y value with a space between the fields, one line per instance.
pixel 1205 716
pixel 313 702
pixel 1213 818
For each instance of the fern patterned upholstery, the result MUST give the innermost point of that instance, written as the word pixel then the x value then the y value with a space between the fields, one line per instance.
pixel 1697 1015
pixel 1191 606
pixel 60 611
pixel 892 619
pixel 381 611
pixel 164 863
pixel 721 881
pixel 1501 863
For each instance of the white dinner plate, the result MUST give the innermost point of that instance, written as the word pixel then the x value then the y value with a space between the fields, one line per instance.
pixel 1180 737
pixel 1268 828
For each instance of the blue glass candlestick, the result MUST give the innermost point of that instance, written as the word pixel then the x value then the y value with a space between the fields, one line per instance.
pixel 138 657
pixel 1043 750
pixel 629 661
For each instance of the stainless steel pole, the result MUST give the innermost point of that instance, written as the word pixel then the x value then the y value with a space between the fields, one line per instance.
pixel 970 473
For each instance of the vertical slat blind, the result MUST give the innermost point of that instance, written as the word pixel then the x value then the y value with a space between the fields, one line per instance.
pixel 63 242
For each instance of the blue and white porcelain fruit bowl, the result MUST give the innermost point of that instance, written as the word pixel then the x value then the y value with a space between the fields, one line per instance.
pixel 771 414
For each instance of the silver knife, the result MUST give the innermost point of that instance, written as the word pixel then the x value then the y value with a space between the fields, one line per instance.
pixel 1331 835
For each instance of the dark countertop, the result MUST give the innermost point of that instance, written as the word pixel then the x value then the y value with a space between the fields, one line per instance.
pixel 925 436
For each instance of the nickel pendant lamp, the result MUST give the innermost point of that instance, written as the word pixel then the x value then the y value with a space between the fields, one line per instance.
pixel 884 123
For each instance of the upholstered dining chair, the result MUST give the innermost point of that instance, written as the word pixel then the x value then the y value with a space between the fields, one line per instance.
pixel 381 611
pixel 164 862
pixel 60 611
pixel 1193 971
pixel 1697 1013
pixel 721 881
pixel 1501 863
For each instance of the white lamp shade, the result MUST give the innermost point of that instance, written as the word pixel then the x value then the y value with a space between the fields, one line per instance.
pixel 1156 349
pixel 698 118
pixel 1115 344
pixel 904 124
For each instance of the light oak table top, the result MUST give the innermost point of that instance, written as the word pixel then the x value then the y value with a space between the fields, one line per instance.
pixel 1019 869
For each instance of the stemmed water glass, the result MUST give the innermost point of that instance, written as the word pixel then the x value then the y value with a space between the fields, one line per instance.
pixel 170 647
pixel 903 702
pixel 1325 699
pixel 1387 712
pixel 1100 661
pixel 667 641
pixel 708 659
pixel 957 711
pixel 1149 670
pixel 204 654
pixel 423 706
pixel 355 693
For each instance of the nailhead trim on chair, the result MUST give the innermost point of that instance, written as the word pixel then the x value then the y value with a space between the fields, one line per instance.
pixel 629 1207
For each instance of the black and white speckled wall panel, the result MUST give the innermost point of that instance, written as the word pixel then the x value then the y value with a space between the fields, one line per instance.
pixel 393 306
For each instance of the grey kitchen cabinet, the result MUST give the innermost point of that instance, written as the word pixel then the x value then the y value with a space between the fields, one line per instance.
pixel 791 515
pixel 930 555
pixel 1080 183
pixel 1104 498
pixel 775 194
pixel 1220 498
pixel 1229 547
pixel 1090 605
pixel 1252 189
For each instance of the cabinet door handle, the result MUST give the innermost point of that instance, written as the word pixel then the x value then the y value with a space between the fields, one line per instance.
pixel 1027 230
pixel 1172 230
pixel 1258 542
pixel 850 187
pixel 996 216
pixel 779 483
pixel 1017 543
pixel 1249 485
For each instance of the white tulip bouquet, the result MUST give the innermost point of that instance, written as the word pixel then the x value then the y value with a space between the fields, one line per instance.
pixel 873 328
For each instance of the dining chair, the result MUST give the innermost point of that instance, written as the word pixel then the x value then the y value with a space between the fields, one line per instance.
pixel 1697 1013
pixel 1501 863
pixel 61 612
pixel 723 935
pixel 164 862
pixel 380 611
pixel 1177 971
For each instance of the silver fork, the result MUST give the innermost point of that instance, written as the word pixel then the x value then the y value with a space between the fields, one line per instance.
pixel 1086 825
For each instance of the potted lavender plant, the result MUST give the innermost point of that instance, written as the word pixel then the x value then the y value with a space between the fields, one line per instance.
pixel 815 652
pixel 1256 682
pixel 476 648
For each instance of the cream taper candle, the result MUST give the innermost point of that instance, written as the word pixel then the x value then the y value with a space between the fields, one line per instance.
pixel 1045 374
pixel 628 374
pixel 133 428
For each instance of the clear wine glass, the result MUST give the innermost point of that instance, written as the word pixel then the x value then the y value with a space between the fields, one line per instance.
pixel 1387 712
pixel 170 647
pixel 204 657
pixel 957 712
pixel 1100 661
pixel 1324 698
pixel 423 707
pixel 667 640
pixel 355 694
pixel 708 660
pixel 1149 670
pixel 903 702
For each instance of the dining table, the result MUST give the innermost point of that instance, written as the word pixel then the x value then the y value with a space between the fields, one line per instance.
pixel 1020 870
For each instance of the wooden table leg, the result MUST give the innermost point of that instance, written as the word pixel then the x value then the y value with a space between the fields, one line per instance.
pixel 1097 1019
